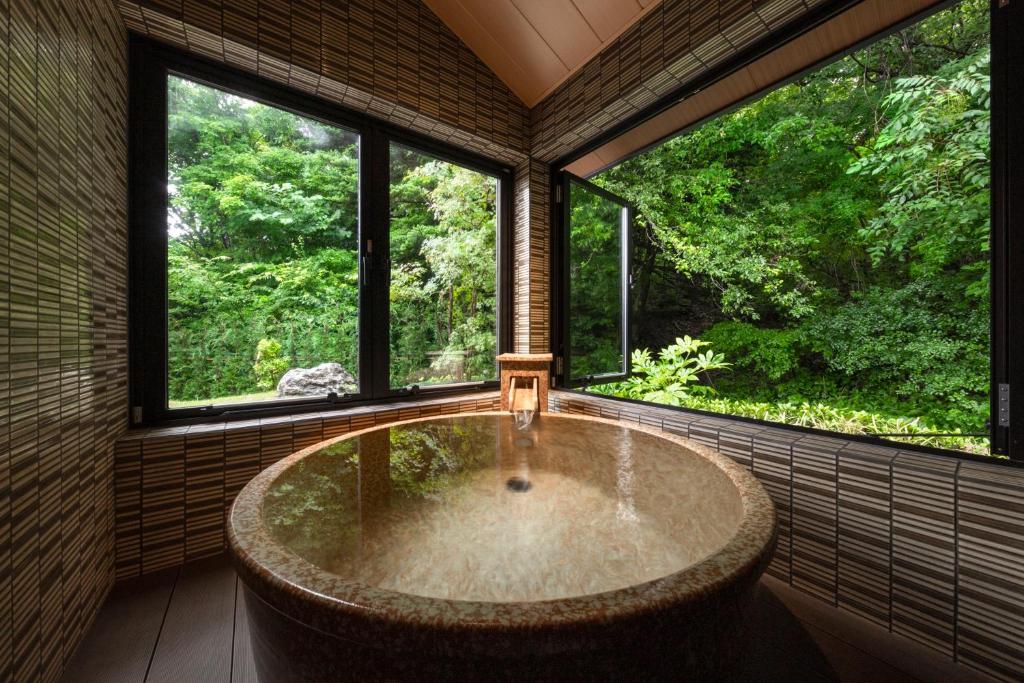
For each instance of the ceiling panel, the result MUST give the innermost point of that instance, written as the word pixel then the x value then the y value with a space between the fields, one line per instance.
pixel 534 45
pixel 608 18
pixel 562 27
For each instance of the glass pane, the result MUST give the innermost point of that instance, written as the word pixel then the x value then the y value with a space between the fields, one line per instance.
pixel 595 284
pixel 443 240
pixel 820 256
pixel 262 249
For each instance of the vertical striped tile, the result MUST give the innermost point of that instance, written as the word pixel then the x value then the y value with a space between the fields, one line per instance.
pixel 163 502
pixel 275 440
pixel 737 441
pixel 128 506
pixel 924 549
pixel 990 569
pixel 865 531
pixel 772 464
pixel 204 491
pixel 241 458
pixel 814 512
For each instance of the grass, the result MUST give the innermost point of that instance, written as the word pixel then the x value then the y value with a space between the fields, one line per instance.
pixel 221 400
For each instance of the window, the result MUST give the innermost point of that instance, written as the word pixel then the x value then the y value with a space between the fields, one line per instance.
pixel 819 256
pixel 598 279
pixel 273 270
pixel 262 251
pixel 443 245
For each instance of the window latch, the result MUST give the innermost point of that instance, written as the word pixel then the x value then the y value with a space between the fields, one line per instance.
pixel 1003 406
pixel 367 262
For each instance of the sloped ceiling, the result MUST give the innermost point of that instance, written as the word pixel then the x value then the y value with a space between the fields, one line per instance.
pixel 534 45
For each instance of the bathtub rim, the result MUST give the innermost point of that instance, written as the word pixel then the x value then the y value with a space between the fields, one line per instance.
pixel 377 617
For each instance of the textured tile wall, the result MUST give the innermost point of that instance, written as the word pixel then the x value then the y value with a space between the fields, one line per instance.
pixel 926 546
pixel 176 484
pixel 63 350
pixel 531 258
pixel 391 58
pixel 670 46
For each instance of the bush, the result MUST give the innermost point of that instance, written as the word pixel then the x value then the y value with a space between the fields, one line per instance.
pixel 269 366
pixel 675 379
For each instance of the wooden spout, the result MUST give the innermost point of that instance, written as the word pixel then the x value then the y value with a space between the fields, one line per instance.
pixel 524 398
pixel 524 381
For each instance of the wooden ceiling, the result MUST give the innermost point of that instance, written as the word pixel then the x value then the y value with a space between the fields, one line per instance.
pixel 534 45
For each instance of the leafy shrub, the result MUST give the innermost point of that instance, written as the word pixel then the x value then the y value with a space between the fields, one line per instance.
pixel 673 380
pixel 918 344
pixel 768 352
pixel 675 376
pixel 269 366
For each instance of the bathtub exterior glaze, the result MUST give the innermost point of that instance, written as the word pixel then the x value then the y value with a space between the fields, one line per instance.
pixel 308 624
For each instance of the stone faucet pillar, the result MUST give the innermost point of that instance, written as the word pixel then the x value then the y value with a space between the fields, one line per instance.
pixel 526 367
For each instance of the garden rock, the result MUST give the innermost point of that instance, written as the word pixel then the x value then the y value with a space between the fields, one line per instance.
pixel 318 381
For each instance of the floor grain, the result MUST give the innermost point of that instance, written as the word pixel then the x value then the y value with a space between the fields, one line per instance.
pixel 120 644
pixel 196 640
pixel 243 668
pixel 190 625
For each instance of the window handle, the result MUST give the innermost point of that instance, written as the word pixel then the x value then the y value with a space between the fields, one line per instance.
pixel 367 262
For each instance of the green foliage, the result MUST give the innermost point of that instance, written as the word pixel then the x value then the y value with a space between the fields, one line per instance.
pixel 831 238
pixel 220 309
pixel 263 253
pixel 675 379
pixel 254 181
pixel 769 353
pixel 269 366
pixel 935 352
pixel 595 328
pixel 444 272
pixel 676 374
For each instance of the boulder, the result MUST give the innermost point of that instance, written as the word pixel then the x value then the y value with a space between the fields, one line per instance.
pixel 318 381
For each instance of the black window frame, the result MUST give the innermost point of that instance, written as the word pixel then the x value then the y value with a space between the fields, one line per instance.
pixel 626 258
pixel 1006 422
pixel 150 63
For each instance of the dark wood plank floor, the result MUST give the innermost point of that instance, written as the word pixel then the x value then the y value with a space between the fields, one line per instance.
pixel 188 625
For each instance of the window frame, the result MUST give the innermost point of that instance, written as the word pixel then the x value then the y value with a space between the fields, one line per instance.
pixel 626 261
pixel 1007 211
pixel 150 63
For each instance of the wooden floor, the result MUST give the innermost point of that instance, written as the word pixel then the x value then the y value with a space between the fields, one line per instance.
pixel 188 625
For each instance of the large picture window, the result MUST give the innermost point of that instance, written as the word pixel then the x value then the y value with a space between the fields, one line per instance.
pixel 262 251
pixel 443 296
pixel 273 270
pixel 819 256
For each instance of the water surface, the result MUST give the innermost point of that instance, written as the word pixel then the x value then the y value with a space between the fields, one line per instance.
pixel 470 508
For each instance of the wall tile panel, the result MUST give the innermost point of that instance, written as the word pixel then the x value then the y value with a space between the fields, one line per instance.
pixel 865 531
pixel 815 520
pixel 772 464
pixel 924 549
pixel 990 569
pixel 62 324
pixel 927 546
pixel 391 58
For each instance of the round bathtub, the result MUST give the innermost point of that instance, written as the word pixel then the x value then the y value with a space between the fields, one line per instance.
pixel 461 547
